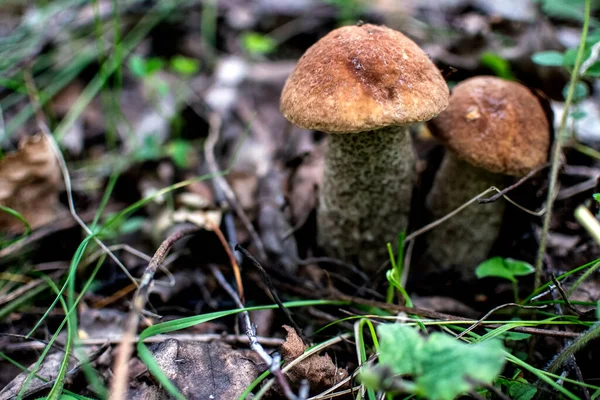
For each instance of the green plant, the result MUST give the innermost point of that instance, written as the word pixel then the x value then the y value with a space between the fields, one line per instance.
pixel 440 367
pixel 257 44
pixel 576 74
pixel 505 268
pixel 499 65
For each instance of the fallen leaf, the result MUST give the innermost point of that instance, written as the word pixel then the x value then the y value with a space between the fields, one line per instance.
pixel 30 180
pixel 48 371
pixel 319 370
pixel 211 370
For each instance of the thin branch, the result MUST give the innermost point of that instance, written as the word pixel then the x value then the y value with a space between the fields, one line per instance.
pixel 269 283
pixel 447 317
pixel 515 185
pixel 274 361
pixel 121 364
pixel 220 183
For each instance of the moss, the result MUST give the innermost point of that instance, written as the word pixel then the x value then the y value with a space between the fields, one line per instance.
pixel 366 193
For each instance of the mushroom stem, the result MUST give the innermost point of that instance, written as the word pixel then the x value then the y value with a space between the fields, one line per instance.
pixel 366 193
pixel 463 241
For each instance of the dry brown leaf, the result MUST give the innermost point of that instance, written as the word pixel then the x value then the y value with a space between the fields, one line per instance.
pixel 30 180
pixel 48 371
pixel 207 370
pixel 319 370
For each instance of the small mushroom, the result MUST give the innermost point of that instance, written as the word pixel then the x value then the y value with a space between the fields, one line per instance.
pixel 364 85
pixel 493 129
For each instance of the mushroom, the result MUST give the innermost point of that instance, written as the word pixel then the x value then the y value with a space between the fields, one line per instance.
pixel 493 129
pixel 364 85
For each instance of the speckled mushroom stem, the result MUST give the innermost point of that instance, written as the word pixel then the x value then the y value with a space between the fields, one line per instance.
pixel 365 198
pixel 463 241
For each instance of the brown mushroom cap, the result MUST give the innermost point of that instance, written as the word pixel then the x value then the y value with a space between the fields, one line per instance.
pixel 361 78
pixel 495 124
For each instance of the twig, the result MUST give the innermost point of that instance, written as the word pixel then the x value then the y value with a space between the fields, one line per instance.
pixel 15 294
pixel 269 283
pixel 447 317
pixel 493 310
pixel 209 146
pixel 121 364
pixel 446 217
pixel 513 186
pixel 556 154
pixel 182 337
pixel 332 261
pixel 232 260
pixel 274 361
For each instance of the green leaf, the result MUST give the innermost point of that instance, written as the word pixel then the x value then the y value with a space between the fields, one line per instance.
pixel 257 44
pixel 153 65
pixel 441 367
pixel 137 66
pixel 570 57
pixel 149 150
pixel 518 268
pixel 596 197
pixel 184 65
pixel 594 70
pixel 400 348
pixel 522 391
pixel 144 68
pixel 180 152
pixel 578 114
pixel 564 9
pixel 580 93
pixel 496 63
pixel 549 58
pixel 506 268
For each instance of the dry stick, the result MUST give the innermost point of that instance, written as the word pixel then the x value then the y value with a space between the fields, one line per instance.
pixel 269 283
pixel 121 364
pixel 234 265
pixel 274 361
pixel 15 294
pixel 447 317
pixel 182 337
pixel 209 145
pixel 493 310
pixel 513 186
pixel 446 217
pixel 556 154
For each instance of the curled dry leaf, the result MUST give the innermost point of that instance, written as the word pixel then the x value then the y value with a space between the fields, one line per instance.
pixel 207 370
pixel 30 180
pixel 319 370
